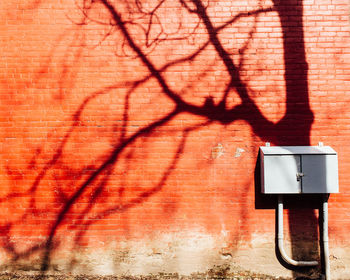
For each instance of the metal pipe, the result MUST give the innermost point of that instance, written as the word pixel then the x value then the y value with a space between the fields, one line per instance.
pixel 280 247
pixel 325 237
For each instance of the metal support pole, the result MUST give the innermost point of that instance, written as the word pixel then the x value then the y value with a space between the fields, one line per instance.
pixel 324 230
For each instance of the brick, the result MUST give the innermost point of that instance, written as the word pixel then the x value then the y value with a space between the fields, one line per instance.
pixel 89 140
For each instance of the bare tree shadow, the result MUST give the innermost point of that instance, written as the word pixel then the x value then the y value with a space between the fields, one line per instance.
pixel 123 19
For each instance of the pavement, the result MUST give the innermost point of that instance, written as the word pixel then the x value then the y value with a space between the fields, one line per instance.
pixel 242 275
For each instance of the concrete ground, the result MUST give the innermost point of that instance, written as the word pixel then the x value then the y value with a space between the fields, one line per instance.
pixel 245 275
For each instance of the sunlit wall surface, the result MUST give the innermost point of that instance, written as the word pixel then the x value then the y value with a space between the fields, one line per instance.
pixel 130 131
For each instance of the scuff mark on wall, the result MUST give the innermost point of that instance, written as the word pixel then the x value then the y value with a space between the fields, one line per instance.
pixel 217 151
pixel 239 152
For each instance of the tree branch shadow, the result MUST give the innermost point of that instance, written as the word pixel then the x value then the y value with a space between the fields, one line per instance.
pixel 98 175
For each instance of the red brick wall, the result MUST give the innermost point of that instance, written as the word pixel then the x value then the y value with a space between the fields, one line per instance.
pixel 132 120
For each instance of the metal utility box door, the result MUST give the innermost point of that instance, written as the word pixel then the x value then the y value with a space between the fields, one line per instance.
pixel 298 169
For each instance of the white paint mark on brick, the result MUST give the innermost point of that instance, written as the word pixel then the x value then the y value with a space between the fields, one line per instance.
pixel 239 152
pixel 217 151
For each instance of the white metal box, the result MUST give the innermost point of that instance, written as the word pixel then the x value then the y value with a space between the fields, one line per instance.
pixel 298 169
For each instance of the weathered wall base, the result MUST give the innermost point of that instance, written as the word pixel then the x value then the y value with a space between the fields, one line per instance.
pixel 185 254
